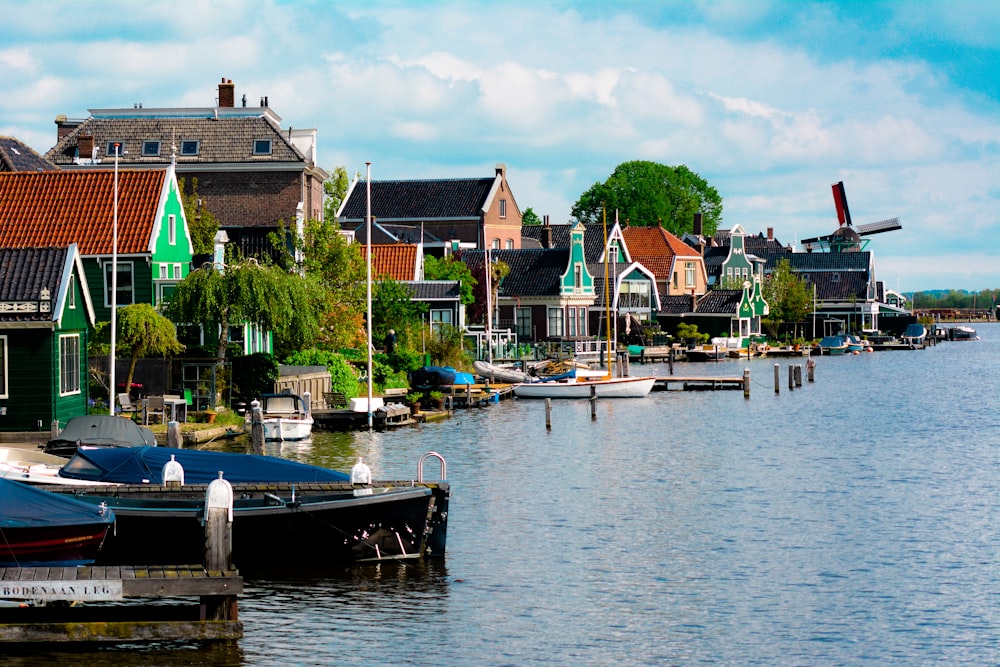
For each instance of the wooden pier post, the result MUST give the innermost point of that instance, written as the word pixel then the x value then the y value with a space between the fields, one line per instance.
pixel 798 375
pixel 173 434
pixel 670 360
pixel 791 378
pixel 219 546
pixel 811 369
pixel 548 414
pixel 746 383
pixel 468 396
pixel 593 403
pixel 777 379
pixel 256 428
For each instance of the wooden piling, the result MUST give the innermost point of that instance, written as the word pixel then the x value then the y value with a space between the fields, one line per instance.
pixel 593 403
pixel 746 383
pixel 791 378
pixel 798 375
pixel 174 435
pixel 548 414
pixel 256 428
pixel 777 379
pixel 811 369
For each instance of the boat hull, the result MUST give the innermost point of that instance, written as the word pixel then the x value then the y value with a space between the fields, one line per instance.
pixel 281 429
pixel 52 546
pixel 628 387
pixel 277 525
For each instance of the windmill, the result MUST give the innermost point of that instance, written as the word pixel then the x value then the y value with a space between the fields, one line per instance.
pixel 847 238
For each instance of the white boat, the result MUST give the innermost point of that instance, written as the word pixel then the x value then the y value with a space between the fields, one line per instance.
pixel 623 387
pixel 285 417
pixel 495 373
pixel 34 467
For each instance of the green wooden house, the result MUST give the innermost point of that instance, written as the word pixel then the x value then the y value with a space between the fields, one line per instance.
pixel 45 316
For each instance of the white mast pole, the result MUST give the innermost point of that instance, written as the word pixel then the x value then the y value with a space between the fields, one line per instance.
pixel 114 295
pixel 368 226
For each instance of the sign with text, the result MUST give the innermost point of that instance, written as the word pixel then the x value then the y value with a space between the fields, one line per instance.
pixel 89 591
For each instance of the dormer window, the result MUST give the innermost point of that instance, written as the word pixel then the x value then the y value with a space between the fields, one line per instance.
pixel 262 147
pixel 150 149
pixel 190 147
pixel 120 148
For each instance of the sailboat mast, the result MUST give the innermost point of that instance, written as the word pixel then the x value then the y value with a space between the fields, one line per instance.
pixel 368 230
pixel 607 298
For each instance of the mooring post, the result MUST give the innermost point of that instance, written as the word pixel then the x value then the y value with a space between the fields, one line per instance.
pixel 256 427
pixel 53 428
pixel 548 414
pixel 173 434
pixel 219 547
pixel 746 383
pixel 798 375
pixel 670 360
pixel 593 402
pixel 811 369
pixel 777 379
pixel 791 378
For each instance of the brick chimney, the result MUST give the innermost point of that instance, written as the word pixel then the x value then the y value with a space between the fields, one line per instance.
pixel 85 146
pixel 227 93
pixel 770 233
pixel 65 126
pixel 502 170
pixel 546 232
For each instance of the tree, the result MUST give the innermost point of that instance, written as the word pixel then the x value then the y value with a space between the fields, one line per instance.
pixel 143 332
pixel 335 189
pixel 451 268
pixel 393 308
pixel 477 313
pixel 202 225
pixel 246 291
pixel 789 299
pixel 646 193
pixel 529 218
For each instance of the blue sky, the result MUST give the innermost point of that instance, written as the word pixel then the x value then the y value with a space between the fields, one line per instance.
pixel 771 102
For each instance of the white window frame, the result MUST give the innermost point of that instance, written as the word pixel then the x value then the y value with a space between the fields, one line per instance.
pixel 503 208
pixel 69 364
pixel 571 320
pixel 557 322
pixel 125 267
pixel 262 147
pixel 172 229
pixel 71 292
pixel 163 271
pixel 689 274
pixel 508 244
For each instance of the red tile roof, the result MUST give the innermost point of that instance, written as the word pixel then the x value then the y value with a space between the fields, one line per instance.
pixel 655 248
pixel 56 208
pixel 397 260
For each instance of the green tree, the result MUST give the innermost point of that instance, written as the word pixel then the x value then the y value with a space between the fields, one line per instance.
pixel 335 189
pixel 646 193
pixel 246 291
pixel 529 218
pixel 451 268
pixel 789 298
pixel 393 308
pixel 143 332
pixel 202 225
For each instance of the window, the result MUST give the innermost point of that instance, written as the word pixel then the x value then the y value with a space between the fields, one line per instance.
pixel 125 288
pixel 613 252
pixel 3 367
pixel 71 292
pixel 172 229
pixel 69 364
pixel 503 208
pixel 177 272
pixel 439 318
pixel 509 244
pixel 572 321
pixel 523 322
pixel 120 148
pixel 834 277
pixel 150 149
pixel 634 295
pixel 163 271
pixel 555 322
pixel 675 280
pixel 689 274
pixel 495 244
pixel 190 147
pixel 262 147
pixel 577 277
pixel 581 326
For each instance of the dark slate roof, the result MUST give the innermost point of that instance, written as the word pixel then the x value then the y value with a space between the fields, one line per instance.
pixel 435 290
pixel 675 304
pixel 720 301
pixel 23 274
pixel 416 201
pixel 806 262
pixel 532 272
pixel 226 139
pixel 593 238
pixel 16 156
pixel 597 271
pixel 386 233
pixel 840 285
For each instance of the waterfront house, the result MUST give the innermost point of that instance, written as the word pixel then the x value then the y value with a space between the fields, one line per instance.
pixel 679 269
pixel 404 263
pixel 445 215
pixel 45 317
pixel 251 174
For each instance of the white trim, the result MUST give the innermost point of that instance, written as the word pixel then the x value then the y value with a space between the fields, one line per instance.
pixel 79 352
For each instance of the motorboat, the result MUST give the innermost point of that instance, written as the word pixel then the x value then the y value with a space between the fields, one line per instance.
pixel 99 431
pixel 914 334
pixel 961 333
pixel 585 387
pixel 706 353
pixel 46 529
pixel 833 345
pixel 31 466
pixel 275 522
pixel 284 416
pixel 496 373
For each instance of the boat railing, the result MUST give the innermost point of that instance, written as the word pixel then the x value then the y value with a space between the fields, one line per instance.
pixel 420 466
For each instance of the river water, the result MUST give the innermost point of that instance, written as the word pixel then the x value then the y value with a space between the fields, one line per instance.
pixel 852 521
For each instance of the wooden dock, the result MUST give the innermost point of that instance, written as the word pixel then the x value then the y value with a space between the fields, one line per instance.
pixel 689 383
pixel 50 600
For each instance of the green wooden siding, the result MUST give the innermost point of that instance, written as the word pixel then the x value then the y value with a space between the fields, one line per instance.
pixel 142 282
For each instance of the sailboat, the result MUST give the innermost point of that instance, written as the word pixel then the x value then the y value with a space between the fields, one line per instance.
pixel 585 384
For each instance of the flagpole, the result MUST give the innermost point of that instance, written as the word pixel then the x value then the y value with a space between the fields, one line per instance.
pixel 368 229
pixel 114 294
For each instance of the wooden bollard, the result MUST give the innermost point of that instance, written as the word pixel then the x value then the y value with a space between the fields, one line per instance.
pixel 593 402
pixel 811 369
pixel 548 414
pixel 219 545
pixel 256 428
pixel 791 379
pixel 53 428
pixel 670 360
pixel 468 396
pixel 746 383
pixel 798 376
pixel 174 434
pixel 777 379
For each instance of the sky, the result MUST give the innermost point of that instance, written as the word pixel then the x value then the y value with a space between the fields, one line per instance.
pixel 771 102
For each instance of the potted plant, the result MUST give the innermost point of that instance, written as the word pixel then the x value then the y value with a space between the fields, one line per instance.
pixel 413 400
pixel 435 400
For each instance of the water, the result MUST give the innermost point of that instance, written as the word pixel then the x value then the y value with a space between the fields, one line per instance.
pixel 852 521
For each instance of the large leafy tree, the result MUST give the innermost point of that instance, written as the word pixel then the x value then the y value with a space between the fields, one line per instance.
pixel 335 189
pixel 246 291
pixel 788 297
pixel 451 268
pixel 646 193
pixel 529 218
pixel 143 332
pixel 393 308
pixel 202 225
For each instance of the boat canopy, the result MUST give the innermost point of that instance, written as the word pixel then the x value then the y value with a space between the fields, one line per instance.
pixel 144 465
pixel 103 431
pixel 26 506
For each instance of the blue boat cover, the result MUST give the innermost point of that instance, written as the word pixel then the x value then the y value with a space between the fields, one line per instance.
pixel 144 465
pixel 25 506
